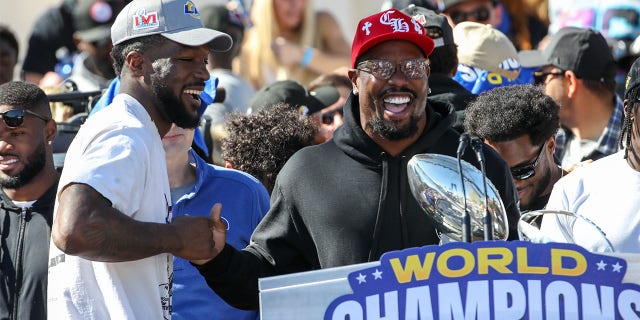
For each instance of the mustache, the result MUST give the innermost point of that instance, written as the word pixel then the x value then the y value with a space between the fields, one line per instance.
pixel 193 84
pixel 9 155
pixel 397 90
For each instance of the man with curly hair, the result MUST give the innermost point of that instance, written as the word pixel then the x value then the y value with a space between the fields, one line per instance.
pixel 261 143
pixel 520 122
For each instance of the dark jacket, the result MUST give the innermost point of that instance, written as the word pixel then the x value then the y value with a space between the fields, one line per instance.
pixel 446 90
pixel 344 202
pixel 24 255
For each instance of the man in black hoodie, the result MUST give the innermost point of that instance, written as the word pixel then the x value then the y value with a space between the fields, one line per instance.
pixel 348 200
pixel 28 180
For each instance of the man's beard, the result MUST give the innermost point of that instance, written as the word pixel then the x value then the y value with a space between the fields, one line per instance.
pixel 34 165
pixel 171 106
pixel 538 189
pixel 388 130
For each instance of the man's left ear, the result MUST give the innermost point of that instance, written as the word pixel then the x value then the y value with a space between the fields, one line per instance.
pixel 51 130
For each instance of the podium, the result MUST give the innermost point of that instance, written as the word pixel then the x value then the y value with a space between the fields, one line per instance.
pixel 304 295
pixel 492 279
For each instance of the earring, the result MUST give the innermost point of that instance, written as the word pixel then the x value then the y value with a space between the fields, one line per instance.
pixel 355 91
pixel 429 92
pixel 49 142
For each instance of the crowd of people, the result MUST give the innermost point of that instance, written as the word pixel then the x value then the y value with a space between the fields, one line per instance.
pixel 235 142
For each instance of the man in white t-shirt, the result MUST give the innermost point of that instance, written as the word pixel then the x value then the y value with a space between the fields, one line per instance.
pixel 112 240
pixel 604 192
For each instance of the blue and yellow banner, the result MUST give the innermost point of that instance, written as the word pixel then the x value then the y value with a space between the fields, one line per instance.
pixel 490 280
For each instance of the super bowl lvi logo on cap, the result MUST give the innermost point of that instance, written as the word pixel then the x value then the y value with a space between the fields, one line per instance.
pixel 144 20
pixel 386 26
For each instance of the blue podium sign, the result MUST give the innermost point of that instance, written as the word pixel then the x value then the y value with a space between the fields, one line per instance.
pixel 481 280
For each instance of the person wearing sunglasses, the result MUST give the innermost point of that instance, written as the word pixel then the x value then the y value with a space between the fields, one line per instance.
pixel 605 192
pixel 330 118
pixel 520 123
pixel 577 70
pixel 481 11
pixel 348 200
pixel 28 180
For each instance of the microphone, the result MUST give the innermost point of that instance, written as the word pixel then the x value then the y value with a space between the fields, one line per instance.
pixel 476 145
pixel 466 217
pixel 463 142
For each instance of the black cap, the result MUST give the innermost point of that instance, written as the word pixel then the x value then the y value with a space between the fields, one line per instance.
pixel 432 20
pixel 294 94
pixel 219 17
pixel 92 19
pixel 632 83
pixel 583 51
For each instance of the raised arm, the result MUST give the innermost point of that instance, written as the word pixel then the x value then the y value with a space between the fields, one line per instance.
pixel 88 226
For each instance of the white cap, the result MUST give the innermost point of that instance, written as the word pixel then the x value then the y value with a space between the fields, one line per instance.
pixel 177 20
pixel 485 47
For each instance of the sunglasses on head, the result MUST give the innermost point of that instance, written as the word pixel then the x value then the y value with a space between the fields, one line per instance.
pixel 14 118
pixel 327 118
pixel 526 171
pixel 480 14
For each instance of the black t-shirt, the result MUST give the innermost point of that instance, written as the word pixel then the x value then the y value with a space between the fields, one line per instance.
pixel 52 30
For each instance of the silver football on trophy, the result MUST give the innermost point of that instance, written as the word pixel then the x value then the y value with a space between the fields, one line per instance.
pixel 435 183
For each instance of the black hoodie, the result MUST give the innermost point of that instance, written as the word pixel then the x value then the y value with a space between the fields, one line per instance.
pixel 344 202
pixel 24 256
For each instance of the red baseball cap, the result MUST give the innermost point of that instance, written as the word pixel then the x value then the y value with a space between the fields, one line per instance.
pixel 387 25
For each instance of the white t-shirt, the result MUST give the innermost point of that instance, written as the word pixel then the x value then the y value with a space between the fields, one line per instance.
pixel 605 192
pixel 119 153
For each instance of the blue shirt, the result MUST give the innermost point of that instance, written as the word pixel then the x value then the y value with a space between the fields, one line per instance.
pixel 244 202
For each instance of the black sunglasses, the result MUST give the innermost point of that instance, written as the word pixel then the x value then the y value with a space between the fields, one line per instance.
pixel 14 118
pixel 526 171
pixel 480 14
pixel 327 118
pixel 540 77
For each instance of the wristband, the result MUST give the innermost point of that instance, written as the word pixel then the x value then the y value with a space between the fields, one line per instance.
pixel 306 57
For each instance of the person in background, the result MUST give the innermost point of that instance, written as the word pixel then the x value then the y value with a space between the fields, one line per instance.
pixel 93 67
pixel 113 237
pixel 578 71
pixel 195 187
pixel 443 62
pixel 290 40
pixel 520 122
pixel 307 103
pixel 480 11
pixel 487 59
pixel 511 17
pixel 238 92
pixel 347 200
pixel 28 180
pixel 329 119
pixel 52 34
pixel 260 143
pixel 522 23
pixel 604 192
pixel 9 51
